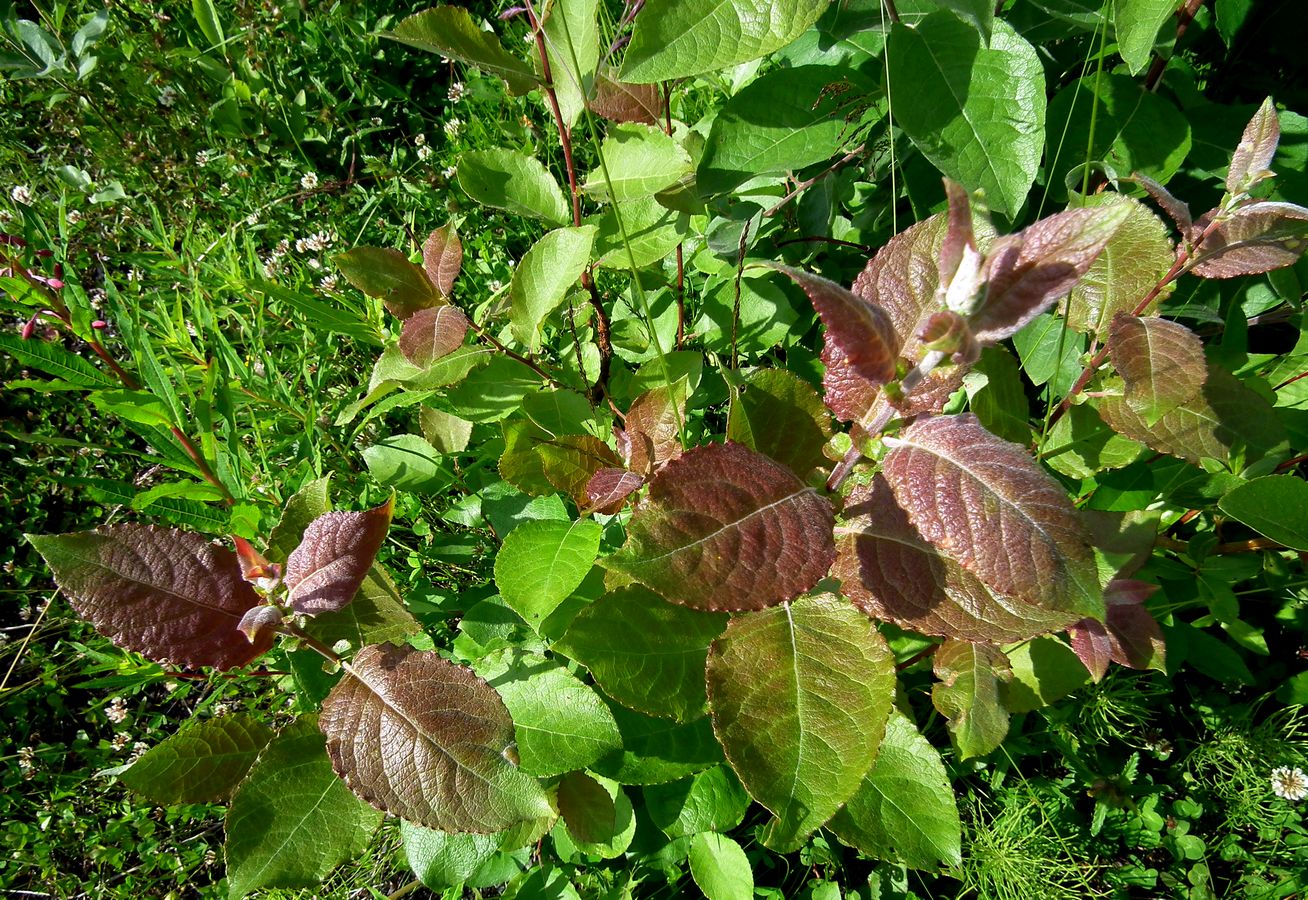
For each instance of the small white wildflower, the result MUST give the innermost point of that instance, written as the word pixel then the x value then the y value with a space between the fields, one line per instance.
pixel 1290 784
pixel 121 740
pixel 329 283
pixel 224 189
pixel 270 267
pixel 452 127
pixel 449 172
pixel 420 139
pixel 457 90
pixel 309 181
pixel 221 709
pixel 21 194
pixel 74 216
pixel 97 296
pixel 116 711
pixel 191 330
pixel 301 245
pixel 424 152
pixel 203 158
pixel 314 264
pixel 26 758
pixel 252 219
pixel 495 286
pixel 133 275
pixel 168 96
pixel 6 215
pixel 171 686
pixel 210 857
pixel 25 613
pixel 376 121
pixel 138 750
pixel 283 247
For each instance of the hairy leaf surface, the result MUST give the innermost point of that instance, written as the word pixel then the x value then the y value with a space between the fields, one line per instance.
pixel 201 763
pixel 799 695
pixel 863 332
pixel 338 548
pixel 970 695
pixel 167 594
pixel 429 741
pixel 1252 159
pixel 451 31
pixel 986 503
pixel 1254 239
pixel 725 528
pixel 1162 363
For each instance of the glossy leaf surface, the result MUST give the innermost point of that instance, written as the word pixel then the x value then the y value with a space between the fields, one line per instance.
pixel 202 762
pixel 543 277
pixel 1136 23
pixel 451 32
pixel 720 867
pixel 506 179
pixel 541 563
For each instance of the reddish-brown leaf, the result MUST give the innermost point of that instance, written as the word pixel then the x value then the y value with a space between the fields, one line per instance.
pixel 608 489
pixel 1252 160
pixel 891 572
pixel 569 461
pixel 1129 637
pixel 1254 239
pixel 337 550
pixel 1162 363
pixel 429 741
pixel 725 528
pixel 260 620
pixel 653 427
pixel 987 504
pixel 429 334
pixel 863 332
pixel 621 102
pixel 442 257
pixel 169 595
pixel 958 230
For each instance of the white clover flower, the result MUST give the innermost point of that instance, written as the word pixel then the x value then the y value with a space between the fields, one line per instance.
pixel 420 139
pixel 329 283
pixel 168 96
pixel 252 219
pixel 1289 784
pixel 314 264
pixel 301 245
pixel 283 247
pixel 121 740
pixel 449 172
pixel 309 180
pixel 171 686
pixel 25 613
pixel 376 121
pixel 221 709
pixel 116 711
pixel 452 127
pixel 74 216
pixel 457 91
pixel 21 194
pixel 133 275
pixel 26 757
pixel 270 267
pixel 495 286
pixel 203 158
pixel 138 750
pixel 424 152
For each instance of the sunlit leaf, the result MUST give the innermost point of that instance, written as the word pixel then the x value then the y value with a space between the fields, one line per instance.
pixel 799 695
pixel 653 427
pixel 1045 670
pixel 442 860
pixel 428 741
pixel 608 489
pixel 618 101
pixel 543 277
pixel 167 594
pixel 450 31
pixel 863 332
pixel 430 334
pixel 1130 636
pixel 985 503
pixel 328 567
pixel 571 460
pixel 506 179
pixel 442 256
pixel 905 809
pixel 446 432
pixel 782 417
pixel 572 45
pixel 1253 239
pixel 712 800
pixel 727 528
pixel 541 563
pixel 201 763
pixel 1252 159
pixel 1274 505
pixel 639 161
pixel 1136 24
pixel 970 695
pixel 720 867
pixel 389 276
pixel 655 750
pixel 1162 363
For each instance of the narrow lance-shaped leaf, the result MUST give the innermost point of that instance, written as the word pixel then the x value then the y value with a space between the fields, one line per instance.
pixel 335 554
pixel 389 276
pixel 799 696
pixel 1251 240
pixel 451 31
pixel 970 695
pixel 727 528
pixel 167 594
pixel 428 741
pixel 442 257
pixel 1162 363
pixel 863 332
pixel 1252 160
pixel 986 503
pixel 430 334
pixel 1129 637
pixel 201 763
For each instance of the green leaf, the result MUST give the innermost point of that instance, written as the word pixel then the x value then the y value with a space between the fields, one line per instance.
pixel 645 227
pixel 720 867
pixel 133 406
pixel 541 563
pixel 572 46
pixel 292 821
pixel 513 181
pixel 976 112
pixel 1275 505
pixel 389 276
pixel 541 281
pixel 1136 23
pixel 659 750
pixel 442 860
pixel 407 462
pixel 799 695
pixel 782 417
pixel 1081 445
pixel 645 652
pixel 639 161
pixel 206 16
pixel 1045 670
pixel 201 763
pixel 905 809
pixel 980 14
pixel 446 432
pixel 784 121
pixel 969 694
pixel 713 800
pixel 451 31
pixel 587 808
pixel 613 841
pixel 494 390
pixel 679 38
pixel 1050 352
pixel 1000 402
pixel 561 724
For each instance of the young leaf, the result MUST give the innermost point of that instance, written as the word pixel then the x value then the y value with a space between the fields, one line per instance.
pixel 543 276
pixel 389 276
pixel 608 490
pixel 680 38
pixel 725 528
pixel 978 112
pixel 1130 636
pixel 451 32
pixel 970 695
pixel 653 427
pixel 618 101
pixel 1177 210
pixel 572 46
pixel 720 867
pixel 1253 239
pixel 292 821
pixel 904 810
pixel 514 181
pixel 1274 505
pixel 645 652
pixel 334 556
pixel 442 256
pixel 988 505
pixel 1252 160
pixel 1132 262
pixel 587 808
pixel 1030 271
pixel 799 695
pixel 893 573
pixel 167 594
pixel 376 616
pixel 639 161
pixel 1161 362
pixel 1136 23
pixel 541 563
pixel 201 763
pixel 569 461
pixel 863 332
pixel 561 723
pixel 441 860
pixel 454 773
pixel 782 417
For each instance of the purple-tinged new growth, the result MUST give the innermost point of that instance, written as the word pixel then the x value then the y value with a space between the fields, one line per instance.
pixel 1129 636
pixel 1162 363
pixel 326 570
pixel 430 334
pixel 1252 160
pixel 442 257
pixel 864 333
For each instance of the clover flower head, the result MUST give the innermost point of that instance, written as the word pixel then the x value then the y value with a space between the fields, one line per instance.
pixel 21 193
pixel 309 180
pixel 1289 784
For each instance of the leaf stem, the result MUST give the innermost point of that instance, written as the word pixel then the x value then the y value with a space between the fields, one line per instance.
pixel 512 354
pixel 808 183
pixel 891 11
pixel 312 642
pixel 1184 16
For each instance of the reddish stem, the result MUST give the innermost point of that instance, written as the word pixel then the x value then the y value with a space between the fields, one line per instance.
pixel 1184 16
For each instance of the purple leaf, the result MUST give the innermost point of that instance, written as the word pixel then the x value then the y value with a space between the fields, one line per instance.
pixel 337 550
pixel 1253 239
pixel 989 506
pixel 862 331
pixel 725 528
pixel 653 427
pixel 259 621
pixel 170 595
pixel 1027 272
pixel 1253 156
pixel 608 490
pixel 429 334
pixel 1129 637
pixel 442 256
pixel 621 102
pixel 958 231
pixel 569 461
pixel 1161 362
pixel 1178 210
